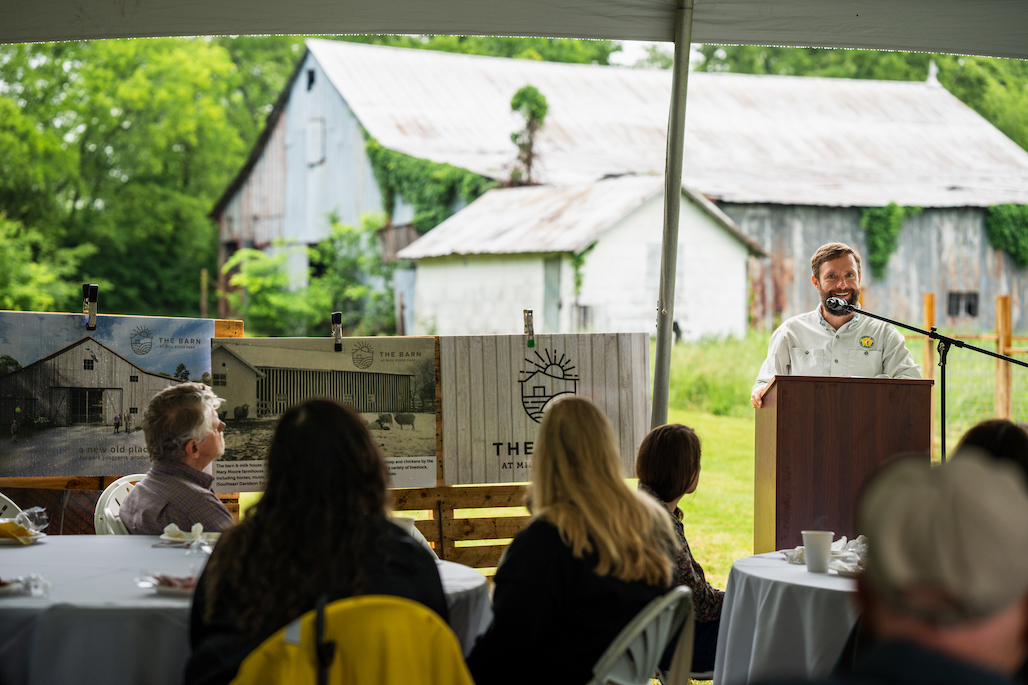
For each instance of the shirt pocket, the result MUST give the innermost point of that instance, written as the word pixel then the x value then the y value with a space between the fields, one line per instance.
pixel 865 363
pixel 807 362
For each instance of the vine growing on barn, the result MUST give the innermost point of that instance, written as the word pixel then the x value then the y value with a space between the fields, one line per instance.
pixel 431 187
pixel 882 227
pixel 1007 229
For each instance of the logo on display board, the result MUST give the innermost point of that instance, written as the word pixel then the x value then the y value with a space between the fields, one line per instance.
pixel 547 378
pixel 363 355
pixel 141 340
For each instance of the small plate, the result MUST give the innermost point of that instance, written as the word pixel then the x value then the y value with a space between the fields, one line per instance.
pixel 847 574
pixel 15 542
pixel 206 537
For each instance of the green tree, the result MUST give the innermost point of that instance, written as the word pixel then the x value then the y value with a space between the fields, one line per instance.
pixel 354 279
pixel 36 275
pixel 530 104
pixel 8 364
pixel 146 126
pixel 181 372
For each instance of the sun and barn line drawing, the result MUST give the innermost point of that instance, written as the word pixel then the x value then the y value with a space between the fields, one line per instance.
pixel 550 378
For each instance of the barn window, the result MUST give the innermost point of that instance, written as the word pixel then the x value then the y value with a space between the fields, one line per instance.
pixel 133 410
pixel 962 304
pixel 971 304
pixel 220 379
pixel 87 364
pixel 310 79
pixel 133 379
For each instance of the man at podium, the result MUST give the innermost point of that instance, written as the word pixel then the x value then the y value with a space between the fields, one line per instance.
pixel 825 343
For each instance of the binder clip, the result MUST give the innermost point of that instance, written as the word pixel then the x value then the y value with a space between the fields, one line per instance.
pixel 337 330
pixel 90 292
pixel 529 328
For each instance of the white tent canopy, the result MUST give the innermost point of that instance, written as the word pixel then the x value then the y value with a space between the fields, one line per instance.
pixel 980 27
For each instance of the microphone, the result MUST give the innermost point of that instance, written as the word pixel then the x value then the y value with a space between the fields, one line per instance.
pixel 837 304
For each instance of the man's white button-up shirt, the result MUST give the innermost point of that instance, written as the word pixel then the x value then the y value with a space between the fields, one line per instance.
pixel 807 345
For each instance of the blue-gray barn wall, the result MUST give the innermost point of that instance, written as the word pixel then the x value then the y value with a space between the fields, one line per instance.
pixel 345 183
pixel 939 251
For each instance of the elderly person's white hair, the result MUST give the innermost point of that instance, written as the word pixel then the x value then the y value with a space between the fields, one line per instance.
pixel 175 416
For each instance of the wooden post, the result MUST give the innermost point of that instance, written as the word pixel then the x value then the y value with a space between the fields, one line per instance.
pixel 203 293
pixel 1004 375
pixel 928 361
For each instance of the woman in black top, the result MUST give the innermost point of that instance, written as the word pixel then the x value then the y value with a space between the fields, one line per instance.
pixel 595 554
pixel 319 528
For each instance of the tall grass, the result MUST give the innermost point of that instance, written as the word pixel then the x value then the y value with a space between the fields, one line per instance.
pixel 715 375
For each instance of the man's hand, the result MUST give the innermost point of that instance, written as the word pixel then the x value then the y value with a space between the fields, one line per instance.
pixel 755 398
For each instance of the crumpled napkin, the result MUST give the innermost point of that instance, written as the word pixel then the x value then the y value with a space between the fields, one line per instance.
pixel 32 585
pixel 174 532
pixel 26 526
pixel 849 554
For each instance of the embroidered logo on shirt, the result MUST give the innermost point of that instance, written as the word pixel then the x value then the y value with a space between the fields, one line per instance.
pixel 867 341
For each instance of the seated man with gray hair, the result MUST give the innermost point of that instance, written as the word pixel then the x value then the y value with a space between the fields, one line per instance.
pixel 183 436
pixel 945 589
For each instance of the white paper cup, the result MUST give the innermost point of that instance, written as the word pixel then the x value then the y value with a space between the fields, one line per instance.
pixel 817 548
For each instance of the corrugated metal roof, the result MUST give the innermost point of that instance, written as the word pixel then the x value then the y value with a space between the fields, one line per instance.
pixel 750 139
pixel 536 219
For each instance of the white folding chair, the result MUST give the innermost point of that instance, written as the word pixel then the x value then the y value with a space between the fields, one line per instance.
pixel 114 524
pixel 110 501
pixel 8 509
pixel 632 658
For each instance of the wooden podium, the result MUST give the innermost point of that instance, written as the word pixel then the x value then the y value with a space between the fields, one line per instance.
pixel 818 440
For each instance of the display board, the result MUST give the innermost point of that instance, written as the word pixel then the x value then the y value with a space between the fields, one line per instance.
pixel 71 399
pixel 390 381
pixel 495 389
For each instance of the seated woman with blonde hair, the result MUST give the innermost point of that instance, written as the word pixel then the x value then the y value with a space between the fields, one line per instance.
pixel 593 556
pixel 668 468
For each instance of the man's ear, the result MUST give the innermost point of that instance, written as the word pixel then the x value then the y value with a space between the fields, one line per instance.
pixel 191 449
pixel 813 279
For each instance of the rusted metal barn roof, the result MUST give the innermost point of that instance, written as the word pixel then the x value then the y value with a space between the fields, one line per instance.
pixel 749 139
pixel 536 219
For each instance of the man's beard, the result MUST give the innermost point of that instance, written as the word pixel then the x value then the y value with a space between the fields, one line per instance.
pixel 852 299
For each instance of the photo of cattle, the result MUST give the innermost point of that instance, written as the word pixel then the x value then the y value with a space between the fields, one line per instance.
pixel 72 399
pixel 389 381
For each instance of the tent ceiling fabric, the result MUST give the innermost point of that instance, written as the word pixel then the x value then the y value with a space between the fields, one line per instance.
pixel 982 27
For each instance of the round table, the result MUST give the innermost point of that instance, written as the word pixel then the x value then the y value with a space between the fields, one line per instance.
pixel 98 626
pixel 780 621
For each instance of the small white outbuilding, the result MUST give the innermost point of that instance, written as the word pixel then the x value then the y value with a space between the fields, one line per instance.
pixel 584 258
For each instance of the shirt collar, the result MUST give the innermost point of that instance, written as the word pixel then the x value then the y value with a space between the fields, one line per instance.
pixel 180 470
pixel 825 325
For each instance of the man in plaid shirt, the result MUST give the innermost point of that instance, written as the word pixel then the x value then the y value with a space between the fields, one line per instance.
pixel 183 436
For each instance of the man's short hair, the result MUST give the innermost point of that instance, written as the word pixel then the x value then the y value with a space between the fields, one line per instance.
pixel 668 461
pixel 946 545
pixel 177 415
pixel 827 253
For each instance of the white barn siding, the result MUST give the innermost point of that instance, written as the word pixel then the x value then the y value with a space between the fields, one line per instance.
pixel 478 294
pixel 622 275
pixel 240 383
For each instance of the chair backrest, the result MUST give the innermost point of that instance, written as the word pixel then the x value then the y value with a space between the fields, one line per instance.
pixel 114 524
pixel 632 658
pixel 8 509
pixel 378 640
pixel 111 499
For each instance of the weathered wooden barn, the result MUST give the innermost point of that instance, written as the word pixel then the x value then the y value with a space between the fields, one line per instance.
pixel 584 257
pixel 259 381
pixel 791 160
pixel 84 383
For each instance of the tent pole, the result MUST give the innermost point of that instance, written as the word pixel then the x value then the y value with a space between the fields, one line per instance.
pixel 672 205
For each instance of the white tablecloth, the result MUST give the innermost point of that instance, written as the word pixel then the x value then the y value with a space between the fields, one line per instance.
pixel 781 621
pixel 97 626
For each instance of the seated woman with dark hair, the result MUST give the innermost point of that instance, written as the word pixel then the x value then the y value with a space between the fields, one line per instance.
pixel 1003 439
pixel 668 468
pixel 320 528
pixel 594 555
